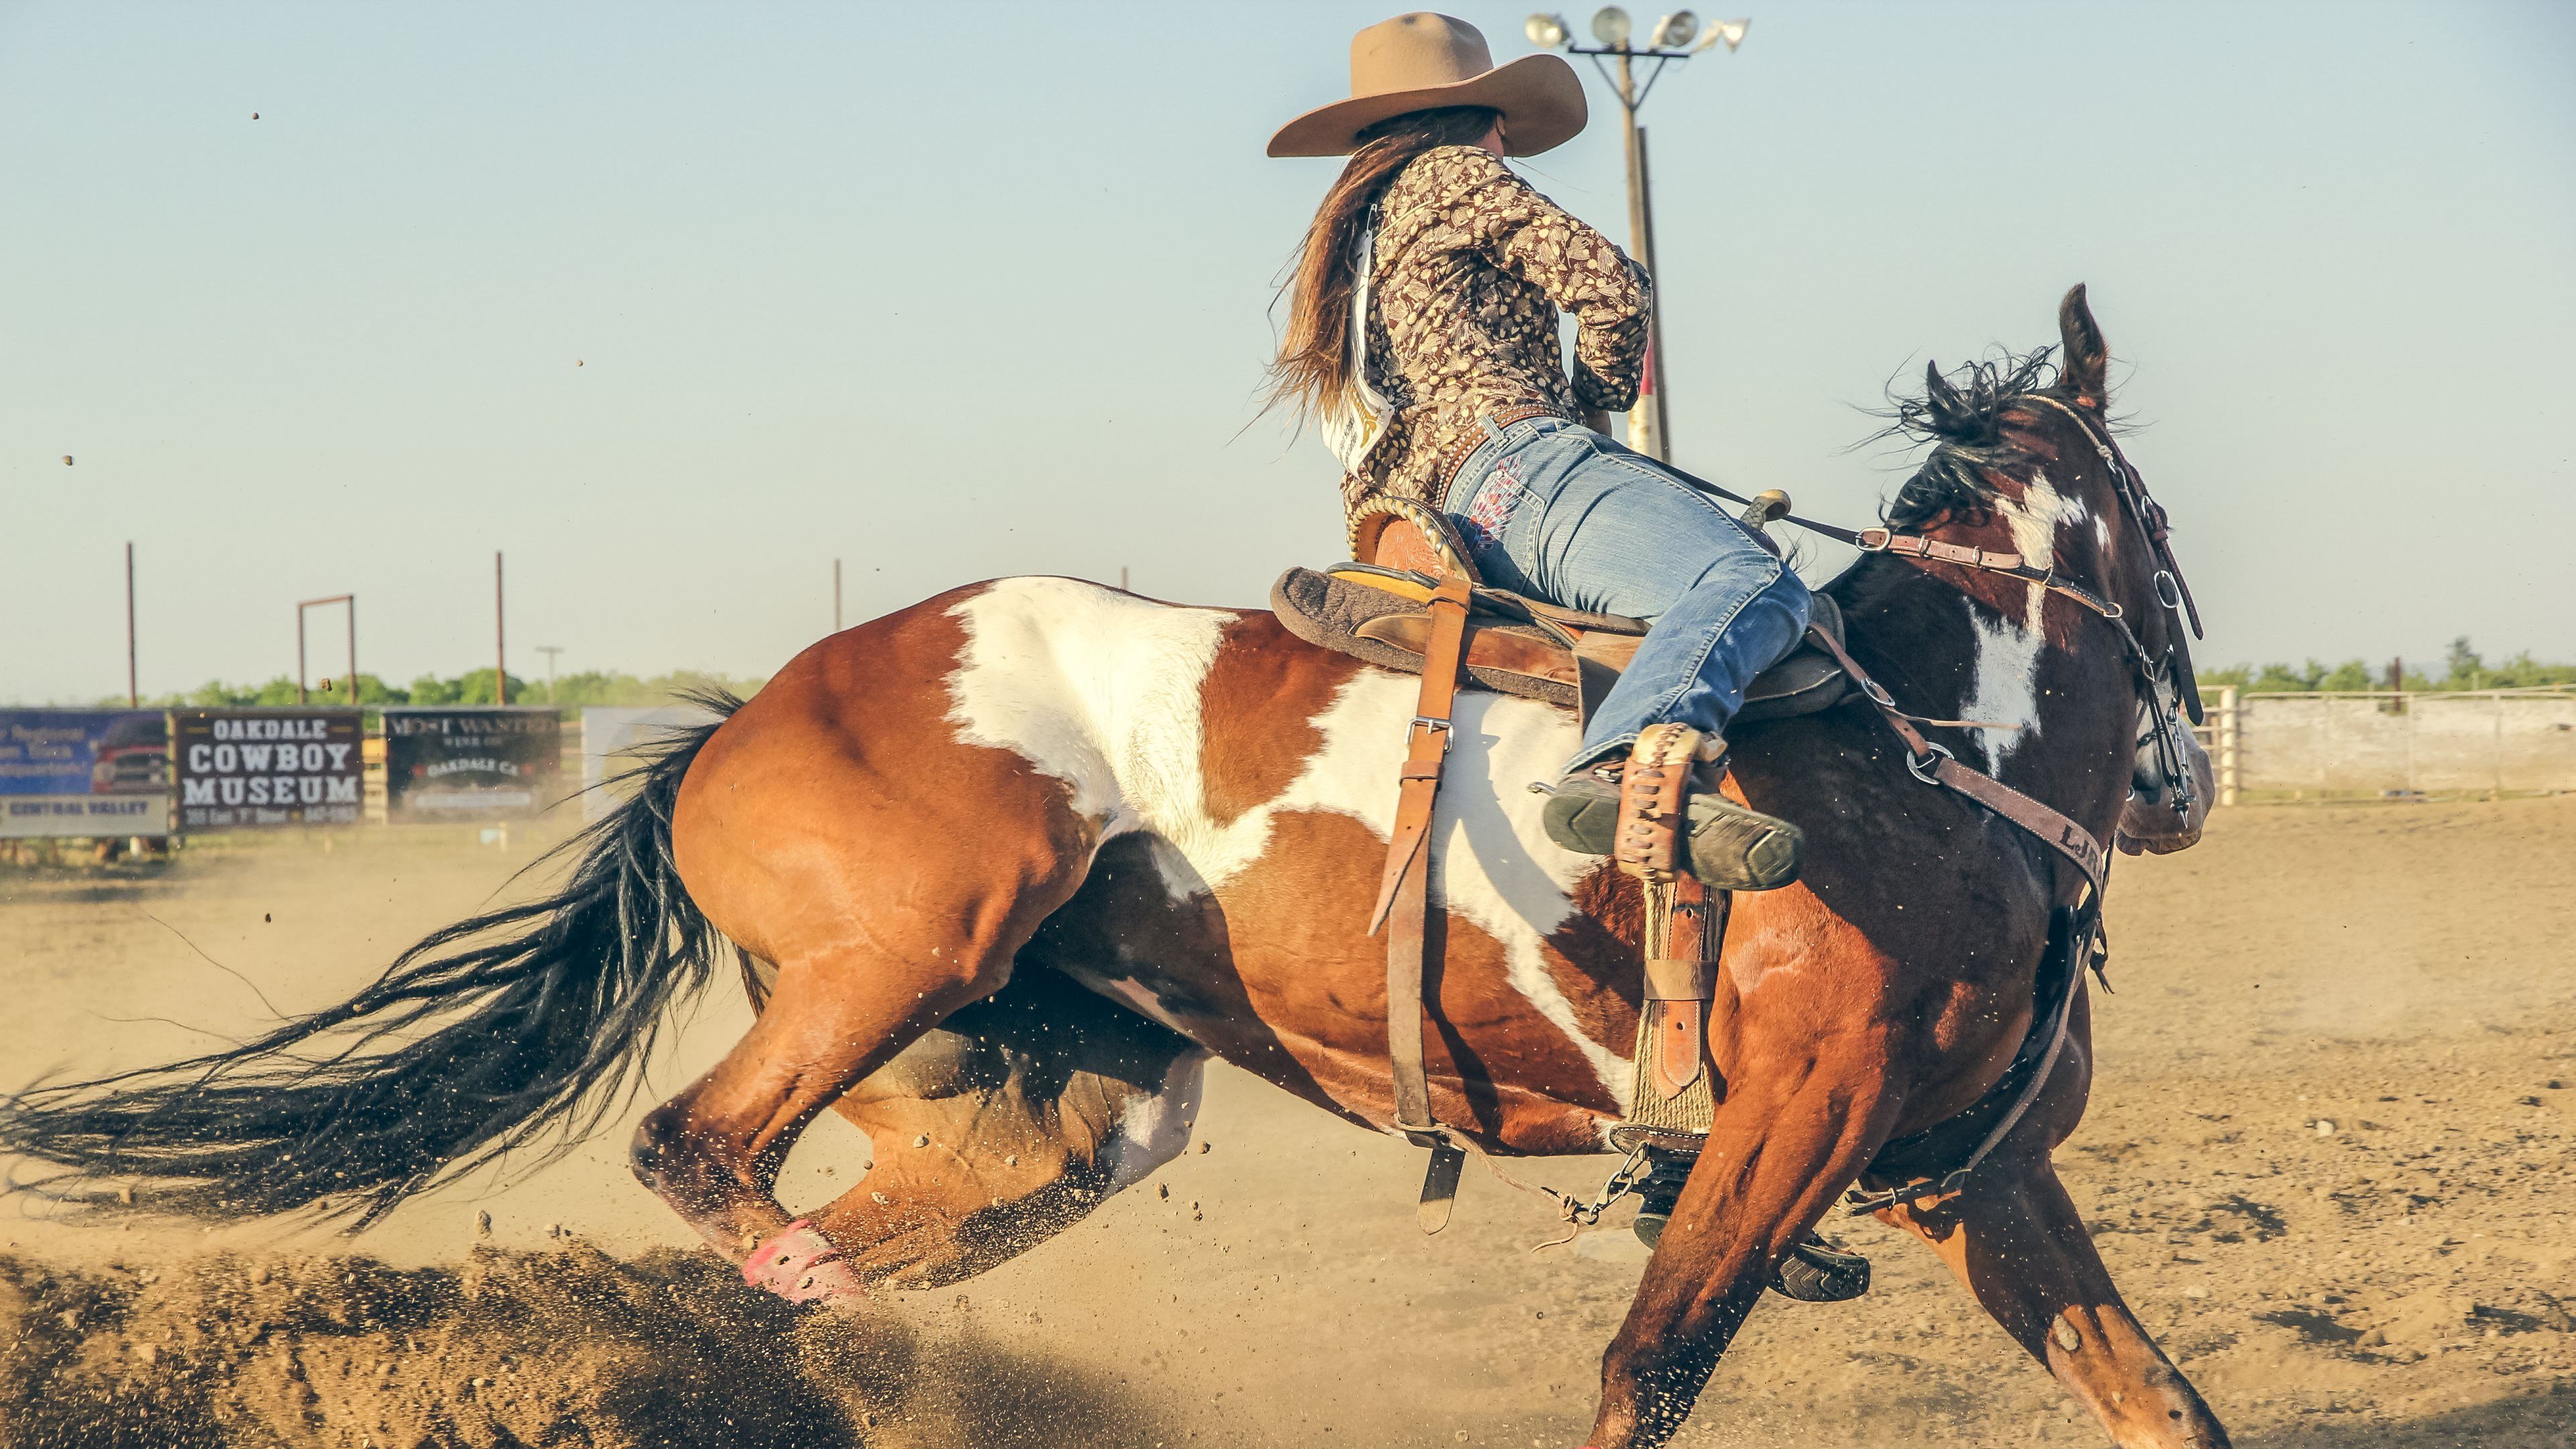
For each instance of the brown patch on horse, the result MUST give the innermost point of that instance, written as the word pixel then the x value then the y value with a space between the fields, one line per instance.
pixel 1257 707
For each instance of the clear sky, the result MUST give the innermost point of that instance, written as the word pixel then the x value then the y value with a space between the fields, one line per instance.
pixel 678 304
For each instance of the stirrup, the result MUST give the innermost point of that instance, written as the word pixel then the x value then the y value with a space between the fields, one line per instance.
pixel 1727 846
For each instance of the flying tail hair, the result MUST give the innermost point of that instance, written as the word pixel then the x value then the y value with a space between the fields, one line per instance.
pixel 522 1028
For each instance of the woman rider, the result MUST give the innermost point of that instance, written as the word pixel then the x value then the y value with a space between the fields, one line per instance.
pixel 1422 335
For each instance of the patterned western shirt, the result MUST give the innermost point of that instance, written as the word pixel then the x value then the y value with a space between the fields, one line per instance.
pixel 1472 265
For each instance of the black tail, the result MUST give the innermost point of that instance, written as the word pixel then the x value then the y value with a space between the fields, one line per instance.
pixel 462 1051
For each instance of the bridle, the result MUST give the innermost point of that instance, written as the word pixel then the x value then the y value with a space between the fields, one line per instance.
pixel 2166 687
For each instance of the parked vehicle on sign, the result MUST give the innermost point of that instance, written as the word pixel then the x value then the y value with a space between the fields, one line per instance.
pixel 133 757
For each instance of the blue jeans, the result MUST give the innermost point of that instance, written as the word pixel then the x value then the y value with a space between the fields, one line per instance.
pixel 1559 512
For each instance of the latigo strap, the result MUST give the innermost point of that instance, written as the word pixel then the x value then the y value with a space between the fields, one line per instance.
pixel 1404 898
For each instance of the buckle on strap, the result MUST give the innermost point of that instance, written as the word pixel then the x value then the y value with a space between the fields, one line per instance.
pixel 1923 768
pixel 1441 727
pixel 1873 540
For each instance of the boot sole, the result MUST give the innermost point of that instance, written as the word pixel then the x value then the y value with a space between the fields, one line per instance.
pixel 1721 855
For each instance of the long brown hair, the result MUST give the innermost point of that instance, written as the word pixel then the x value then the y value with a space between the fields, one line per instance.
pixel 1314 351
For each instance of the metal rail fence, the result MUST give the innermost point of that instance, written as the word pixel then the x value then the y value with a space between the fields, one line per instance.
pixel 2491 742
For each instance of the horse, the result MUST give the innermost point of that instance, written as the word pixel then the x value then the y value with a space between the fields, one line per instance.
pixel 1003 870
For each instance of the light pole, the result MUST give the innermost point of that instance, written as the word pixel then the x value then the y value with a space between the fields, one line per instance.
pixel 550 651
pixel 1675 37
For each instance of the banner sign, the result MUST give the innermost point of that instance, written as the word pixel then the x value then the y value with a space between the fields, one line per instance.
pixel 84 772
pixel 471 764
pixel 243 769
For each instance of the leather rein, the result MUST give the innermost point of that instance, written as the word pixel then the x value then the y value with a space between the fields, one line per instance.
pixel 2164 686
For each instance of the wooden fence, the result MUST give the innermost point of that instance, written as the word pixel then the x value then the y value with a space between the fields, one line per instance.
pixel 2492 742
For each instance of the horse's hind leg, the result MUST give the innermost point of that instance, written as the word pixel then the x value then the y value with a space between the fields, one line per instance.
pixel 1005 1126
pixel 713 1151
pixel 798 851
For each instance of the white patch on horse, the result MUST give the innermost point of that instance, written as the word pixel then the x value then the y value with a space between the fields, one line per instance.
pixel 2006 688
pixel 1154 1130
pixel 1492 862
pixel 1101 690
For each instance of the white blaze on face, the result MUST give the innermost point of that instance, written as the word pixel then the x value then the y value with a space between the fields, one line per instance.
pixel 2006 688
pixel 1101 690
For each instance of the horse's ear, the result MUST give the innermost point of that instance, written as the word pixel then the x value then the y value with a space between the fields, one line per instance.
pixel 1941 401
pixel 2086 361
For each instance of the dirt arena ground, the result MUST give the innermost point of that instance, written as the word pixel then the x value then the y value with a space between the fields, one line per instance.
pixel 2328 1157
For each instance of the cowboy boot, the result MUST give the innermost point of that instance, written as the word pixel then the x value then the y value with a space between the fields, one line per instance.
pixel 1727 846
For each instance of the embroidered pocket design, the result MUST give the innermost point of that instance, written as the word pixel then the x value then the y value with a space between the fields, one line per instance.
pixel 1496 500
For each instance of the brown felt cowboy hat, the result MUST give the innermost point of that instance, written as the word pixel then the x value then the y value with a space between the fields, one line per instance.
pixel 1421 62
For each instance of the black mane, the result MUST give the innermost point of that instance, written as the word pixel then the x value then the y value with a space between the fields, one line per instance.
pixel 1961 415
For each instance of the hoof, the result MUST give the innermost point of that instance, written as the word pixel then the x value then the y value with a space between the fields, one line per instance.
pixel 1816 1271
pixel 800 1265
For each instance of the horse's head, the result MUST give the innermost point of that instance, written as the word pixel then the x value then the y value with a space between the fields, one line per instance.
pixel 2026 464
pixel 2171 782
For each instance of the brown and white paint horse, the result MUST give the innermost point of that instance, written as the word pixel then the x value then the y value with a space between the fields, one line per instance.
pixel 1010 865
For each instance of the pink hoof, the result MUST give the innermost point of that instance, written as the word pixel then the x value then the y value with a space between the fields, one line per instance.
pixel 800 1265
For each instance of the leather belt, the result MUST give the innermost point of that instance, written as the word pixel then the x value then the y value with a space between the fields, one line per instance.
pixel 1454 459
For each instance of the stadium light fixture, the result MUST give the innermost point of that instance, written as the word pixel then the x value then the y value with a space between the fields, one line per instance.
pixel 1547 32
pixel 1610 27
pixel 1675 31
pixel 1730 31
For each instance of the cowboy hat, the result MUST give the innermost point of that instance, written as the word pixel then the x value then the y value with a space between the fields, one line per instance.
pixel 1422 62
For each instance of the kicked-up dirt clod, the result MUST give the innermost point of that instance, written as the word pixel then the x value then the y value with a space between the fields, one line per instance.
pixel 507 1349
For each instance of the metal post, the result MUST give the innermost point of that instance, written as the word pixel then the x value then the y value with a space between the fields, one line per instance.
pixel 1656 379
pixel 500 639
pixel 2499 745
pixel 2229 739
pixel 550 651
pixel 1643 433
pixel 133 696
pixel 352 601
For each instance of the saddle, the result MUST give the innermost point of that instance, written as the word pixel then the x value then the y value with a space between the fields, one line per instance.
pixel 1413 601
pixel 1522 646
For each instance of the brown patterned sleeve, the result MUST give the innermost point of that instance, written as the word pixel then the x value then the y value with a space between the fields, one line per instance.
pixel 1578 268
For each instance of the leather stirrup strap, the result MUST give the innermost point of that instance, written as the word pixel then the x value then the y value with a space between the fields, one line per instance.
pixel 1934 765
pixel 1404 898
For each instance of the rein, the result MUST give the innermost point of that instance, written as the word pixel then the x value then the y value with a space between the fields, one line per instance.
pixel 2154 675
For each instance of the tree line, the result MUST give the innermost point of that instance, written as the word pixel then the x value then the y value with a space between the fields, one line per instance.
pixel 2462 668
pixel 570 693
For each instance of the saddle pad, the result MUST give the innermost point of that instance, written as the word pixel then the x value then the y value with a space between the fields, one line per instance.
pixel 1330 612
pixel 1373 616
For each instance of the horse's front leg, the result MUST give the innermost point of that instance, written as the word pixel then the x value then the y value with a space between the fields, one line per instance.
pixel 2017 1242
pixel 1786 1140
